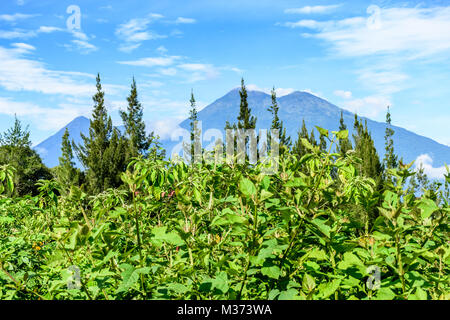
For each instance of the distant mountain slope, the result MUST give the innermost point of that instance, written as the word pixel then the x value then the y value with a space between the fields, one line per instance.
pixel 293 109
pixel 50 148
pixel 317 112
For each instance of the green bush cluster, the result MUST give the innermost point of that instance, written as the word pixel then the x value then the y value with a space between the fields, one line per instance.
pixel 316 229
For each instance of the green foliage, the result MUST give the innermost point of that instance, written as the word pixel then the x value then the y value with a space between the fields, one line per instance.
pixel 284 140
pixel 102 153
pixel 139 143
pixel 15 151
pixel 218 232
pixel 66 174
pixel 344 144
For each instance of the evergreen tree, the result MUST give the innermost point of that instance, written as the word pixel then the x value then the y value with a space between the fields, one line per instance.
pixel 390 160
pixel 365 150
pixel 344 144
pixel 66 173
pixel 322 143
pixel 284 140
pixel 195 130
pixel 299 149
pixel 245 119
pixel 15 149
pixel 139 142
pixel 103 152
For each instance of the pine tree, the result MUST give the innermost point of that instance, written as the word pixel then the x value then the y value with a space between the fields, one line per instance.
pixel 365 150
pixel 390 160
pixel 195 131
pixel 344 144
pixel 284 140
pixel 66 173
pixel 322 143
pixel 299 149
pixel 139 141
pixel 103 152
pixel 15 150
pixel 245 119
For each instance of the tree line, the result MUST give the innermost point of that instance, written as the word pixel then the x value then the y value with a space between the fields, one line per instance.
pixel 105 151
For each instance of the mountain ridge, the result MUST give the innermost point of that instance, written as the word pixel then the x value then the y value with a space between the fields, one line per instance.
pixel 293 108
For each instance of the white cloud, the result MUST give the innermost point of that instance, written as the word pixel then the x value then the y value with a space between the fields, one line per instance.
pixel 343 94
pixel 417 32
pixel 136 30
pixel 43 118
pixel 168 71
pixel 15 17
pixel 18 73
pixel 370 106
pixel 313 9
pixel 152 61
pixel 164 128
pixel 199 71
pixel 23 47
pixel 427 163
pixel 181 20
pixel 17 33
pixel 161 49
pixel 49 29
pixel 84 46
pixel 384 78
pixel 129 47
pixel 311 24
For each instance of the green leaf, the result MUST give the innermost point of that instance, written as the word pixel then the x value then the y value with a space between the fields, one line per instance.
pixel 272 271
pixel 323 228
pixel 171 237
pixel 178 288
pixel 308 283
pixel 329 288
pixel 265 195
pixel 228 217
pixel 130 276
pixel 221 282
pixel 247 187
pixel 428 207
pixel 342 135
pixel 385 294
pixel 322 131
pixel 307 144
pixel 291 294
pixel 273 294
pixel 197 196
pixel 350 260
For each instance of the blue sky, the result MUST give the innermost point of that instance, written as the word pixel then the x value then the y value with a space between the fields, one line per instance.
pixel 359 55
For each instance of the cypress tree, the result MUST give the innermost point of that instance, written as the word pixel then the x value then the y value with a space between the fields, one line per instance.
pixel 298 149
pixel 139 142
pixel 285 141
pixel 195 131
pixel 66 173
pixel 322 143
pixel 245 119
pixel 365 149
pixel 15 149
pixel 103 151
pixel 344 144
pixel 390 159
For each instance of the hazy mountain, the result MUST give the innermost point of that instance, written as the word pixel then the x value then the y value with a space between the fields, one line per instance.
pixel 293 109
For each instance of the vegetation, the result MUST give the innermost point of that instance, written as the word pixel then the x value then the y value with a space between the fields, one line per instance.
pixel 327 225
